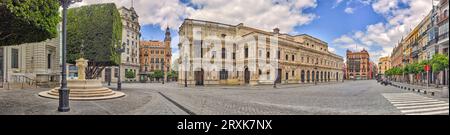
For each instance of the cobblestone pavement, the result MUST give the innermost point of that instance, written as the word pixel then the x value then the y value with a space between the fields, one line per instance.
pixel 350 97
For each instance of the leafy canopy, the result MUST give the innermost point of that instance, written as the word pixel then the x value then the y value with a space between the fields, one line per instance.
pixel 26 21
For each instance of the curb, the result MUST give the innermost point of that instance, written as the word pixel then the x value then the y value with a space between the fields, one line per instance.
pixel 418 90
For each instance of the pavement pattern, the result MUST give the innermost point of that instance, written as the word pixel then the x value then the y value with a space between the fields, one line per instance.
pixel 342 98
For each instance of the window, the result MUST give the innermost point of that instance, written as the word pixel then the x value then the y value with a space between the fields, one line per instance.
pixel 268 55
pixel 49 61
pixel 260 53
pixel 287 75
pixel 234 56
pixel 151 52
pixel 246 52
pixel 116 72
pixel 223 53
pixel 293 73
pixel 152 60
pixel 278 54
pixel 259 72
pixel 14 58
pixel 287 57
pixel 302 59
pixel 128 59
pixel 293 58
pixel 223 74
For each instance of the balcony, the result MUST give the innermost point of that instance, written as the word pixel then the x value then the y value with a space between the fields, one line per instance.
pixel 443 37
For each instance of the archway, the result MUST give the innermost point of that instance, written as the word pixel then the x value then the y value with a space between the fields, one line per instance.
pixel 303 76
pixel 199 77
pixel 246 76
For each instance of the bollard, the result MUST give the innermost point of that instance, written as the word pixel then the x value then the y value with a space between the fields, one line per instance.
pixel 444 92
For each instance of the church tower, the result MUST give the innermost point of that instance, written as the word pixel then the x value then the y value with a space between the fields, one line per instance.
pixel 168 49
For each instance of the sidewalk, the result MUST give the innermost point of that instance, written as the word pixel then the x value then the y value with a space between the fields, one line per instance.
pixel 431 90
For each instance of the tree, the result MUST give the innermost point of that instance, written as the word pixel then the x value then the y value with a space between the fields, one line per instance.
pixel 96 31
pixel 439 62
pixel 130 74
pixel 158 74
pixel 26 21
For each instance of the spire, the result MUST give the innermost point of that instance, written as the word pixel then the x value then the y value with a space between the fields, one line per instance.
pixel 167 38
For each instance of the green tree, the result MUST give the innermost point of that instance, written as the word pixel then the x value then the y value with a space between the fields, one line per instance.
pixel 26 21
pixel 130 74
pixel 96 31
pixel 439 62
pixel 158 74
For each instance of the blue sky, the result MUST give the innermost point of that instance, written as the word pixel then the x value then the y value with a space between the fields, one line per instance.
pixel 375 25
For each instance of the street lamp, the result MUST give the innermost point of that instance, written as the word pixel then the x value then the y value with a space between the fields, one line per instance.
pixel 64 91
pixel 120 51
pixel 185 72
pixel 162 69
pixel 315 78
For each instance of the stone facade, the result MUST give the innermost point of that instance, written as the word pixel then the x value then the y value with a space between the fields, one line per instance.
pixel 358 65
pixel 384 64
pixel 152 55
pixel 38 62
pixel 231 56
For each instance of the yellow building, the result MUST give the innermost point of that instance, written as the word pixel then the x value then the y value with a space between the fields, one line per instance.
pixel 217 53
pixel 384 64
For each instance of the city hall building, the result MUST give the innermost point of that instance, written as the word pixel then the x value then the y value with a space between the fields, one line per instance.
pixel 213 53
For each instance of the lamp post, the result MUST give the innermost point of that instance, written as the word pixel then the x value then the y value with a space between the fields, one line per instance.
pixel 185 72
pixel 64 91
pixel 120 51
pixel 162 69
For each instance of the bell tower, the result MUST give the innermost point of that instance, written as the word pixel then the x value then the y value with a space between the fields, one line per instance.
pixel 168 49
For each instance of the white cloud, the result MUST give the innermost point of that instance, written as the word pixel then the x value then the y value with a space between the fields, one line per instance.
pixel 385 35
pixel 263 14
pixel 349 10
pixel 331 49
pixel 337 3
pixel 344 39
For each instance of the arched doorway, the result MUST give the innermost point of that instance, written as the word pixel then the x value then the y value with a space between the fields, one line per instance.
pixel 199 77
pixel 317 75
pixel 246 76
pixel 303 76
pixel 307 76
pixel 321 76
pixel 329 76
pixel 313 76
pixel 337 76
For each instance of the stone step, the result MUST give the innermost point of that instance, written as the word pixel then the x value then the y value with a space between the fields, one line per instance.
pixel 81 90
pixel 85 95
pixel 87 92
